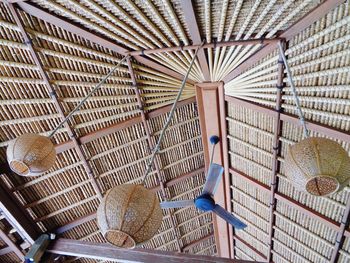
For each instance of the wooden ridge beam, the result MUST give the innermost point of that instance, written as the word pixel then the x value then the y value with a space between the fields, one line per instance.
pixel 92 216
pixel 55 98
pixel 191 22
pixel 311 125
pixel 76 29
pixel 102 251
pixel 210 100
pixel 315 14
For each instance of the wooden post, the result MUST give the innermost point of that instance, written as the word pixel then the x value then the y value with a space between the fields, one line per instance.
pixel 211 114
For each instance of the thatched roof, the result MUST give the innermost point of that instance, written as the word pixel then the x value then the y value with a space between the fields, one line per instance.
pixel 112 134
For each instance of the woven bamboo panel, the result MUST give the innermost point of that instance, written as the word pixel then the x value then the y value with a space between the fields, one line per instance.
pixel 133 24
pixel 319 59
pixel 250 142
pixel 344 253
pixel 225 20
pixel 10 258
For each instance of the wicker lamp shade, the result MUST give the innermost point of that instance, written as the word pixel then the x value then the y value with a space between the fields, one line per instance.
pixel 129 215
pixel 31 154
pixel 318 166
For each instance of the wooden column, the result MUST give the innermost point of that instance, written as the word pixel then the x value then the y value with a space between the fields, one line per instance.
pixel 210 103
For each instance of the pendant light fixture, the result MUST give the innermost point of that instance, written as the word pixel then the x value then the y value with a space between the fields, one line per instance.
pixel 131 214
pixel 315 165
pixel 33 154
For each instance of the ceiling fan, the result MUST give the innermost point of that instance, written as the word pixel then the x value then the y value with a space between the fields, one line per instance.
pixel 205 201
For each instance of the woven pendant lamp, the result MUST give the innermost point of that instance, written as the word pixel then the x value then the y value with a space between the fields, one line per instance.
pixel 318 166
pixel 129 215
pixel 31 154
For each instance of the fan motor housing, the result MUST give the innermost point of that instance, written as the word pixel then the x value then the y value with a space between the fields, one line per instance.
pixel 204 202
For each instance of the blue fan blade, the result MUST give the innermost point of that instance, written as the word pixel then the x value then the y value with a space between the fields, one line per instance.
pixel 176 204
pixel 213 178
pixel 238 224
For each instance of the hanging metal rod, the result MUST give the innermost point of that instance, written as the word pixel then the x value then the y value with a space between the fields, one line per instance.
pixel 259 41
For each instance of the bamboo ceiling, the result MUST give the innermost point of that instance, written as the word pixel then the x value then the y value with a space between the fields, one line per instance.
pixel 320 62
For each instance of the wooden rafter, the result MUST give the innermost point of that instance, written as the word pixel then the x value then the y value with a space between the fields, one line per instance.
pixel 315 14
pixel 42 14
pixel 191 21
pixel 151 144
pixel 101 251
pixel 54 97
pixel 276 151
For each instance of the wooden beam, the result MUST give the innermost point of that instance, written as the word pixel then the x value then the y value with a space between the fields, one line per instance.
pixel 276 153
pixel 101 251
pixel 314 15
pixel 311 125
pixel 191 21
pixel 151 143
pixel 208 104
pixel 55 98
pixel 226 162
pixel 119 126
pixel 17 216
pixel 76 29
pixel 5 251
pixel 11 244
pixel 92 216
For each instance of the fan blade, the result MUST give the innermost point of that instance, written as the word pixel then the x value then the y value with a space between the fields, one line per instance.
pixel 213 178
pixel 176 204
pixel 238 224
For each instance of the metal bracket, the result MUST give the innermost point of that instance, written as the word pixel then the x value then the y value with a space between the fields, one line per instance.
pixel 29 42
pixel 280 87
